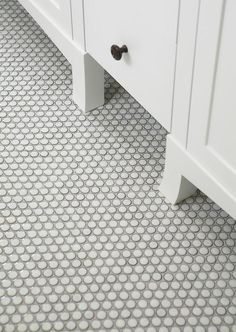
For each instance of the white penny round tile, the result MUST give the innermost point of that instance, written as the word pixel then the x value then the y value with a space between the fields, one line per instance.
pixel 87 242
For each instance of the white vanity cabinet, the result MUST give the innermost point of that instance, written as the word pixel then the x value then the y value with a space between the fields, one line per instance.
pixel 177 58
pixel 149 30
pixel 57 11
pixel 212 131
pixel 207 160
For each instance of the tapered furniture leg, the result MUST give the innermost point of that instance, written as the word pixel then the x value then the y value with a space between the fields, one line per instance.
pixel 88 82
pixel 175 186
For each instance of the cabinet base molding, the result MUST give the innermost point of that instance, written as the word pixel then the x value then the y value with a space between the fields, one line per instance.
pixel 87 74
pixel 183 175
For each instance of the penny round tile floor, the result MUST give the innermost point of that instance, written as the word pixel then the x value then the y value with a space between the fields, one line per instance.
pixel 87 241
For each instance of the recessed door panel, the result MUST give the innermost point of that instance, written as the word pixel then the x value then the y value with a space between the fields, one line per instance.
pixel 58 11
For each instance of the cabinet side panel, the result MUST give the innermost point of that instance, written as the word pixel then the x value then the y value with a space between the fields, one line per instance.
pixel 222 115
pixel 77 17
pixel 212 138
pixel 187 31
pixel 56 11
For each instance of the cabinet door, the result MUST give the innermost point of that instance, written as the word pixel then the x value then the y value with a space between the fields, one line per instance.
pixel 149 29
pixel 58 12
pixel 212 131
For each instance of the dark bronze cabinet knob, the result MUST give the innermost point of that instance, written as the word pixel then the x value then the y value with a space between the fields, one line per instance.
pixel 117 51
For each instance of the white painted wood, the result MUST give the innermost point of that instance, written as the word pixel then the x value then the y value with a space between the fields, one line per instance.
pixel 55 33
pixel 77 16
pixel 88 75
pixel 149 30
pixel 181 165
pixel 187 32
pixel 209 162
pixel 174 184
pixel 88 82
pixel 57 11
pixel 212 134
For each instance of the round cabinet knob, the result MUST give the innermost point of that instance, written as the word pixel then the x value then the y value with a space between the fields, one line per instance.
pixel 117 51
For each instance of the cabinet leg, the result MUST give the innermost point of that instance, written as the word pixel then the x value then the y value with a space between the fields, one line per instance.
pixel 88 82
pixel 174 185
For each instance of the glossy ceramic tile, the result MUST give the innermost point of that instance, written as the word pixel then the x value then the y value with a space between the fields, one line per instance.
pixel 87 242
